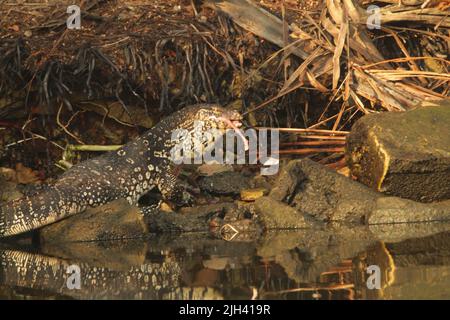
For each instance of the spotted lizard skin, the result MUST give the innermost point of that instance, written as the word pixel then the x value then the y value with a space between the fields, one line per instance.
pixel 150 280
pixel 129 173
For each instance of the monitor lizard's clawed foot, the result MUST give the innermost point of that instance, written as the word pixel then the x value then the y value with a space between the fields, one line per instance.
pixel 183 199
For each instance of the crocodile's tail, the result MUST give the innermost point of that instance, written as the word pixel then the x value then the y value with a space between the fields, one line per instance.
pixel 30 213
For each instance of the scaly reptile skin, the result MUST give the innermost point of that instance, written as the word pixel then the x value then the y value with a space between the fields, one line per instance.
pixel 149 280
pixel 129 173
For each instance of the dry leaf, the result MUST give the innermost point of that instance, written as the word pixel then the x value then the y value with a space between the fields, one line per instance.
pixel 26 175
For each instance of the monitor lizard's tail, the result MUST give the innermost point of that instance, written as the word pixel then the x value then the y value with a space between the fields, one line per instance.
pixel 28 213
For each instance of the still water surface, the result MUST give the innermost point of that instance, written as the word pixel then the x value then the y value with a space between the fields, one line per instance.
pixel 326 263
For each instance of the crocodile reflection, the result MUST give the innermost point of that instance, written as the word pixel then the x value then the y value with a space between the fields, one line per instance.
pixel 312 264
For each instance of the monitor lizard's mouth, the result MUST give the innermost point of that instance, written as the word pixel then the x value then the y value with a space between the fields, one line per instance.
pixel 235 123
pixel 231 124
pixel 232 119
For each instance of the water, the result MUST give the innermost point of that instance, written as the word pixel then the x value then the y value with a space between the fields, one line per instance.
pixel 327 263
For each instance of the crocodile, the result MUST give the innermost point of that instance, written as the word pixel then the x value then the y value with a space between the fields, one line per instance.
pixel 129 172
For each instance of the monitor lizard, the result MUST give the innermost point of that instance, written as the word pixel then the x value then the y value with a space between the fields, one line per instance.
pixel 129 172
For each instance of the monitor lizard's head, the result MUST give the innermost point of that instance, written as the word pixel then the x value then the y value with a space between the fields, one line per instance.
pixel 203 124
pixel 211 116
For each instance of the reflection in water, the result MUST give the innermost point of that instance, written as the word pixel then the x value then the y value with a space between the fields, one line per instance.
pixel 309 264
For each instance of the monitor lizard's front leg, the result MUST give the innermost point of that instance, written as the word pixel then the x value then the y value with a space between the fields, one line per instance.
pixel 172 192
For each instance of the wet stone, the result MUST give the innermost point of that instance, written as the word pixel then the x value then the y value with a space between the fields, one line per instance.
pixel 398 210
pixel 188 219
pixel 224 183
pixel 403 154
pixel 116 220
pixel 320 193
pixel 272 214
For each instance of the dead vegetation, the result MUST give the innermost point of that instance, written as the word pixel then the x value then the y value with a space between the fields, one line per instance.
pixel 289 64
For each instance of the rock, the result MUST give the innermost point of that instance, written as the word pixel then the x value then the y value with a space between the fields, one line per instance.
pixel 286 183
pixel 189 219
pixel 316 191
pixel 264 182
pixel 396 232
pixel 321 193
pixel 403 154
pixel 273 214
pixel 398 210
pixel 252 194
pixel 211 169
pixel 224 183
pixel 116 220
pixel 238 230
